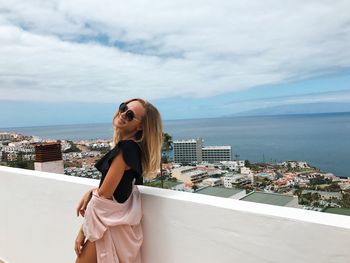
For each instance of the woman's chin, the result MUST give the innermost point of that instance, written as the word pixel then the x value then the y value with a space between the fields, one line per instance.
pixel 119 123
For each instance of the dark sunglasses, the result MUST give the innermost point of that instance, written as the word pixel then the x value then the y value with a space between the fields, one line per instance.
pixel 129 114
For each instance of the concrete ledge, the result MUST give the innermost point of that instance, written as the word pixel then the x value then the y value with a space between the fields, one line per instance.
pixel 38 216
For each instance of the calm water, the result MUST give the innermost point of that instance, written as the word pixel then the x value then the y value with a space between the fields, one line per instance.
pixel 323 140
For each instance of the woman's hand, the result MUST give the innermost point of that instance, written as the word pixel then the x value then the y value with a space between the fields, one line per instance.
pixel 84 202
pixel 79 242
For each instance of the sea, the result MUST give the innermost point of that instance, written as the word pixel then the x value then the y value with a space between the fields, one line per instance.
pixel 322 140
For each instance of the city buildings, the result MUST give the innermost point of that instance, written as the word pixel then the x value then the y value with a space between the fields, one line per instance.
pixel 188 151
pixel 216 153
pixel 231 179
pixel 193 151
pixel 4 136
pixel 212 182
pixel 189 174
pixel 233 165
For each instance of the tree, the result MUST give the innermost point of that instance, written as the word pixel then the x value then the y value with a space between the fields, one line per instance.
pixel 298 192
pixel 346 200
pixel 166 147
pixel 22 164
pixel 334 187
pixel 315 196
pixel 194 187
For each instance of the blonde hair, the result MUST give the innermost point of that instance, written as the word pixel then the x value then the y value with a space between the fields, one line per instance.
pixel 150 139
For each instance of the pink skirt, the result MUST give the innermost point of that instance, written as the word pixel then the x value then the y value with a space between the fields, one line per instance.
pixel 115 228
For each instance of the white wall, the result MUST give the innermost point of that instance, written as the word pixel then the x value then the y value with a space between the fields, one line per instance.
pixel 38 224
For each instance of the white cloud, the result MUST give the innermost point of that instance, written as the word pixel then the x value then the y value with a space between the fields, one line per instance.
pixel 338 97
pixel 166 48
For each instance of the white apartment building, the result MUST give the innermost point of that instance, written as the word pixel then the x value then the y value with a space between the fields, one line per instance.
pixel 5 136
pixel 246 170
pixel 231 179
pixel 193 151
pixel 189 174
pixel 188 151
pixel 233 165
pixel 19 147
pixel 216 153
pixel 296 164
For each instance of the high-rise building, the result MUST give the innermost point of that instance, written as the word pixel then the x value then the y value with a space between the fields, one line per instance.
pixel 214 154
pixel 48 158
pixel 188 151
pixel 192 151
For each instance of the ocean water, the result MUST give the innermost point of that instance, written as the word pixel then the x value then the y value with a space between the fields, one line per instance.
pixel 323 140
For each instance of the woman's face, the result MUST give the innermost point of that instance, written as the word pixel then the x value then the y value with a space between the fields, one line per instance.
pixel 121 122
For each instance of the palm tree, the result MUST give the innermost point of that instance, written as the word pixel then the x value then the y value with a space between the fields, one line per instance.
pixel 166 147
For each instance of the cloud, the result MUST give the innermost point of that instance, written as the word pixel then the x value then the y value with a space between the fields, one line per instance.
pixel 341 97
pixel 108 51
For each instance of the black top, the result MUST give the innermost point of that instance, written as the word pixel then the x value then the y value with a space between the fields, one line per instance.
pixel 132 157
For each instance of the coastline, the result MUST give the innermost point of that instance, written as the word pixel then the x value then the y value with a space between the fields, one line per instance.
pixel 320 139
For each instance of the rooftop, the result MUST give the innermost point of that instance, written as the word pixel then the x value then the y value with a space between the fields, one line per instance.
pixel 219 191
pixel 337 210
pixel 185 141
pixel 268 198
pixel 216 148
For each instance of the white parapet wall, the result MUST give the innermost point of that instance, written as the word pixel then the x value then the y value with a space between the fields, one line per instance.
pixel 38 224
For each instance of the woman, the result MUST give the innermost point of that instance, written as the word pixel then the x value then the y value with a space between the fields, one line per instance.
pixel 114 211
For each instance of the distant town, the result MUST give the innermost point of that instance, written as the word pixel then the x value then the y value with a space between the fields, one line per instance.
pixel 190 166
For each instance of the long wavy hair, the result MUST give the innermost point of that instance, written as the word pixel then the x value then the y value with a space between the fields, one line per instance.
pixel 150 139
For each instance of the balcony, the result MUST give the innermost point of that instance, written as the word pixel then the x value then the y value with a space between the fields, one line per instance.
pixel 38 224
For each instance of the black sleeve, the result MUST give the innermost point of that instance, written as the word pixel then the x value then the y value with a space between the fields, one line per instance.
pixel 132 155
pixel 105 162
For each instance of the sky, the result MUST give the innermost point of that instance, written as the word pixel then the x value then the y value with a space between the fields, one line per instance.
pixel 74 61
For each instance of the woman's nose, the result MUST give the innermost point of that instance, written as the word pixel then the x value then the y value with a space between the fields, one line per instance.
pixel 122 114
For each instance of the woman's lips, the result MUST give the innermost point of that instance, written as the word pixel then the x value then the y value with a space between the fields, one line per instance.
pixel 121 121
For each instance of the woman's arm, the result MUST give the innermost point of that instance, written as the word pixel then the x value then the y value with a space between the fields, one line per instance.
pixel 84 202
pixel 79 242
pixel 113 177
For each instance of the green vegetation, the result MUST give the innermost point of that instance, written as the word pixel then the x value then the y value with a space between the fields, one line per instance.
pixel 102 150
pixel 194 187
pixel 166 184
pixel 72 164
pixel 21 164
pixel 167 147
pixel 261 181
pixel 346 200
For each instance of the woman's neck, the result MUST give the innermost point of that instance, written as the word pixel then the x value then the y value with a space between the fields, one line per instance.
pixel 127 136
